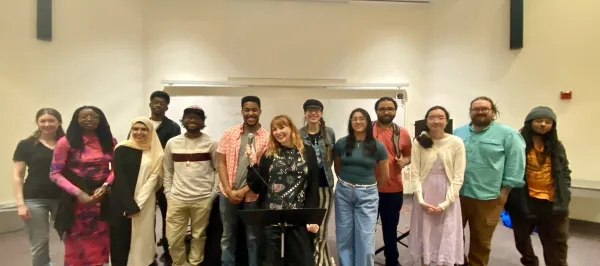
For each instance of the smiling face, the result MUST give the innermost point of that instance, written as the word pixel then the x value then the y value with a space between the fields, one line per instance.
pixel 359 122
pixel 283 134
pixel 251 113
pixel 192 122
pixel 88 119
pixel 437 120
pixel 313 115
pixel 48 124
pixel 386 112
pixel 482 113
pixel 140 132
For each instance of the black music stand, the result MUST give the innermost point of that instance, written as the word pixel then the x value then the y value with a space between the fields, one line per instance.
pixel 283 218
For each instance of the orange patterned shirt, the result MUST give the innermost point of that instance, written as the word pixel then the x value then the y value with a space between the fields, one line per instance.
pixel 229 145
pixel 539 175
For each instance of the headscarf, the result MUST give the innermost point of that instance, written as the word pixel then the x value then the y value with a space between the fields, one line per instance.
pixel 152 155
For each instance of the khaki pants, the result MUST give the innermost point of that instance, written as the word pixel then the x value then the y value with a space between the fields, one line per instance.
pixel 178 216
pixel 482 217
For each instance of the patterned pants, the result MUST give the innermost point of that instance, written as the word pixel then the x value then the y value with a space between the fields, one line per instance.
pixel 322 255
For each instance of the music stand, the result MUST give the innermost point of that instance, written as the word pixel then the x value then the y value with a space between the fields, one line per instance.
pixel 283 218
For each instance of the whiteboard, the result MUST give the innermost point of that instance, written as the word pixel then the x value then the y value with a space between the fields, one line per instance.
pixel 224 111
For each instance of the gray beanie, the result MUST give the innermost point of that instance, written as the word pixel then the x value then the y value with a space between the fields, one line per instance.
pixel 540 112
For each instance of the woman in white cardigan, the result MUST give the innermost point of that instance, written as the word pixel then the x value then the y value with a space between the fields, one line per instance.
pixel 436 173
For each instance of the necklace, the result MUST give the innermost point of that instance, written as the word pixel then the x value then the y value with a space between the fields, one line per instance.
pixel 188 153
pixel 358 142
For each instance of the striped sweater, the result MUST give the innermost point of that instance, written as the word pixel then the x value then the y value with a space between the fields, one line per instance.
pixel 190 168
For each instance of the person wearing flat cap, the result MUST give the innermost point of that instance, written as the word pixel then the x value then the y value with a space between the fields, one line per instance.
pixel 544 201
pixel 322 138
pixel 191 185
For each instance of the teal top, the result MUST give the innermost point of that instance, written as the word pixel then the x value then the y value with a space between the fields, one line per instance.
pixel 359 168
pixel 495 158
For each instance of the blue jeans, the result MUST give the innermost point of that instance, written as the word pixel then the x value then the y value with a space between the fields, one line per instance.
pixel 38 226
pixel 230 217
pixel 355 221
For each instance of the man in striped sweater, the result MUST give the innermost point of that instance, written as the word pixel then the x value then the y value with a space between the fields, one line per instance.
pixel 190 184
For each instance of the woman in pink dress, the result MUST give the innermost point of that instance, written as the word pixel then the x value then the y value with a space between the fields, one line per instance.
pixel 436 173
pixel 81 168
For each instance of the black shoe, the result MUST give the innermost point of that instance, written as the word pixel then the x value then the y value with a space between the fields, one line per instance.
pixel 166 259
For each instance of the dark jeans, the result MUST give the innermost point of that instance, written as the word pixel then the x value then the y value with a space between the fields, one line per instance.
pixel 389 211
pixel 553 230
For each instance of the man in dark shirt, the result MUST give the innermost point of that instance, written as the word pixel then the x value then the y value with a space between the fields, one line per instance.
pixel 165 129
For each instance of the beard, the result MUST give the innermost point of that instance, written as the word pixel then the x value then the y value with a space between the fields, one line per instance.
pixel 385 119
pixel 481 120
pixel 192 130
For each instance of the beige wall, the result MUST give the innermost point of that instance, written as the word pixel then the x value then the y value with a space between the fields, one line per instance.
pixel 95 58
pixel 468 56
pixel 449 51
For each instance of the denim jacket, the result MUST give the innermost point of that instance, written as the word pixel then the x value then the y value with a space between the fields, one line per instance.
pixel 323 150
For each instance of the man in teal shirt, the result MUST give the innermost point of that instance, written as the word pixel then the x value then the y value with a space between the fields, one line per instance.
pixel 495 164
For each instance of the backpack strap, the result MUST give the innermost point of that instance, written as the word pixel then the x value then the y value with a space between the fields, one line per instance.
pixel 396 138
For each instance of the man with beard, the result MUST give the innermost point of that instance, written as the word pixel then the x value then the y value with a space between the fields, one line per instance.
pixel 165 129
pixel 190 185
pixel 544 200
pixel 398 145
pixel 495 164
pixel 233 169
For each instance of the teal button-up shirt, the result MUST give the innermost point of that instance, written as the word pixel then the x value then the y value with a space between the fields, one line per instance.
pixel 495 158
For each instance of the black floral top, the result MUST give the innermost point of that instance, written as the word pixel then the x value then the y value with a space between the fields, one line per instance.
pixel 293 180
pixel 288 174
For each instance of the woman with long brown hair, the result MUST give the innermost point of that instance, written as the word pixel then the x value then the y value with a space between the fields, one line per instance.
pixel 322 139
pixel 287 177
pixel 37 196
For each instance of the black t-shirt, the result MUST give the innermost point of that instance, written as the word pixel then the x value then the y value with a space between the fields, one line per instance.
pixel 314 140
pixel 38 158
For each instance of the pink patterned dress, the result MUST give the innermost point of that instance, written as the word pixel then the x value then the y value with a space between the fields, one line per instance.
pixel 87 241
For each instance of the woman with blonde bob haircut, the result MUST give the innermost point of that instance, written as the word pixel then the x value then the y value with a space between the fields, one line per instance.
pixel 290 169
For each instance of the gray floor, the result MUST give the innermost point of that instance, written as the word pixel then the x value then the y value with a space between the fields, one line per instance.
pixel 584 245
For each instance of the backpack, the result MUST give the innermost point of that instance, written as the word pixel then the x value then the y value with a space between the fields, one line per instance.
pixel 395 137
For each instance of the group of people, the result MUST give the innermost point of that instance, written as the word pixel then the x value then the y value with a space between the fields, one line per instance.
pixel 102 194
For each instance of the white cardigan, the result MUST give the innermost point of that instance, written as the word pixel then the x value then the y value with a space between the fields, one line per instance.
pixel 451 150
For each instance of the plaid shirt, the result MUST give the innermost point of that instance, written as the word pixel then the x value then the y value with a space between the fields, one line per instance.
pixel 229 145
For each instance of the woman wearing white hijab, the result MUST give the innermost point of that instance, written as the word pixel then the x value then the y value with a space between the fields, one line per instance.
pixel 137 168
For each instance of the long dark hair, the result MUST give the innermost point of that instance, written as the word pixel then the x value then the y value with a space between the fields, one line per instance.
pixel 370 144
pixel 75 132
pixel 424 140
pixel 550 139
pixel 60 132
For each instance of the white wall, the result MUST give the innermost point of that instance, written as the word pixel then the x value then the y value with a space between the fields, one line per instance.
pixel 95 58
pixel 214 40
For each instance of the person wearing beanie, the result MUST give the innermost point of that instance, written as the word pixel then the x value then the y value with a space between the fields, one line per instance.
pixel 495 164
pixel 322 138
pixel 190 185
pixel 544 201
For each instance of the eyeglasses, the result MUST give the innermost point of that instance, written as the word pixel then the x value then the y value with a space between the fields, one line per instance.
pixel 386 110
pixel 313 111
pixel 480 110
pixel 89 117
pixel 358 120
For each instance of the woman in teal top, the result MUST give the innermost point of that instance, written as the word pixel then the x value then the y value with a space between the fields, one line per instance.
pixel 356 197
